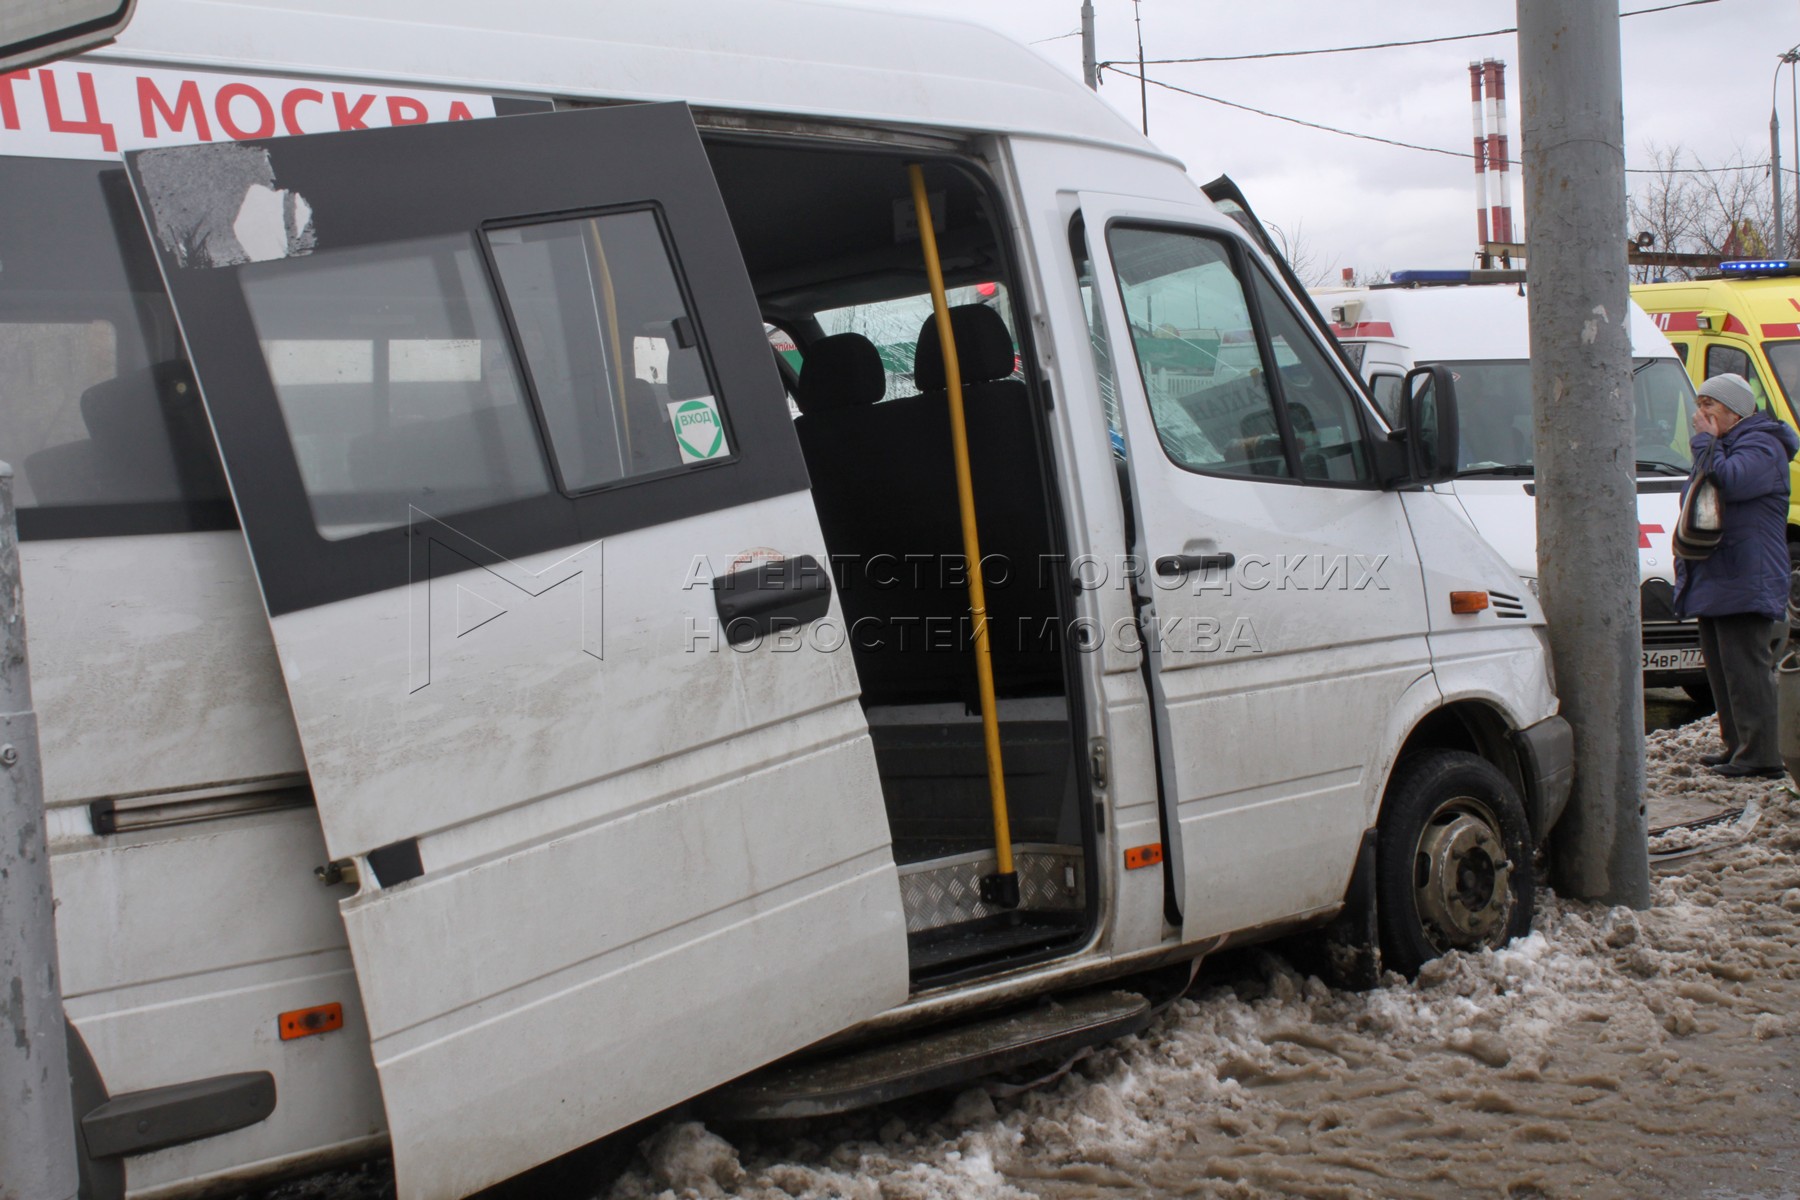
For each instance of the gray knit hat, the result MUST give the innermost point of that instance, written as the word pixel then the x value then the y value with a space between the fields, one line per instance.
pixel 1733 391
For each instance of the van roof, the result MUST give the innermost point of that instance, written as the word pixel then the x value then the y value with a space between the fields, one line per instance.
pixel 1469 323
pixel 1758 303
pixel 798 57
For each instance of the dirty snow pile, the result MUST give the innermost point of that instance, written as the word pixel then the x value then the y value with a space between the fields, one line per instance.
pixel 1609 1053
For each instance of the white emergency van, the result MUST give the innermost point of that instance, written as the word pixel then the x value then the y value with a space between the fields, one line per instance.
pixel 1475 322
pixel 478 715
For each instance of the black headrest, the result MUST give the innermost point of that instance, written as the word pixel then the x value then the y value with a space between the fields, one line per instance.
pixel 984 350
pixel 840 371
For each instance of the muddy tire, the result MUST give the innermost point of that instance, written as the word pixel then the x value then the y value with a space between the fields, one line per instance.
pixel 1453 863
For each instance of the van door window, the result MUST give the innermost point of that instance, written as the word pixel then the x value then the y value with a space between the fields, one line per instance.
pixel 610 348
pixel 1784 357
pixel 101 415
pixel 1321 410
pixel 1386 389
pixel 1197 351
pixel 1730 360
pixel 1098 343
pixel 378 422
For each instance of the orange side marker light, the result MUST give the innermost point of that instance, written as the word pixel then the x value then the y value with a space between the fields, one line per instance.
pixel 1143 856
pixel 1468 602
pixel 305 1022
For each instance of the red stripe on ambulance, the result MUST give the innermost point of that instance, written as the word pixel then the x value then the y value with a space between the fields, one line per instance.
pixel 1364 329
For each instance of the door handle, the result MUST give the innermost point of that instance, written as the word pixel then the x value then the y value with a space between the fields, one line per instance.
pixel 785 591
pixel 1173 566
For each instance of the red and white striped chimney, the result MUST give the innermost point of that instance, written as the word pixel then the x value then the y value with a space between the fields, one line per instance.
pixel 1481 186
pixel 1499 152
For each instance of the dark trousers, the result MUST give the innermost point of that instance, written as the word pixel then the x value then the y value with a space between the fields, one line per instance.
pixel 1740 654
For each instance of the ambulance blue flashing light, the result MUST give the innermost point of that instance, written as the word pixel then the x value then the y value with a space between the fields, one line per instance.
pixel 1432 276
pixel 1760 266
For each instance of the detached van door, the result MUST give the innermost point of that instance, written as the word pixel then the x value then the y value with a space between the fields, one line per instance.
pixel 498 412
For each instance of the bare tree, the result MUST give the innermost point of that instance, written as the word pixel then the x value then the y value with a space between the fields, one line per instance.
pixel 1301 255
pixel 1696 209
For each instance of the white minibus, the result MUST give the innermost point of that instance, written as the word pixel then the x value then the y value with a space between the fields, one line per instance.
pixel 478 714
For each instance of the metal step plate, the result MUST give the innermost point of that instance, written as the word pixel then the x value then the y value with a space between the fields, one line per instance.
pixel 942 1058
pixel 947 891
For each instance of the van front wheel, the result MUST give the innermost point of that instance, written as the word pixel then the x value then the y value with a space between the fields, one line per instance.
pixel 1453 864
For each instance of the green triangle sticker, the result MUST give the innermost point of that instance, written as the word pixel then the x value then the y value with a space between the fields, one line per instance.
pixel 699 433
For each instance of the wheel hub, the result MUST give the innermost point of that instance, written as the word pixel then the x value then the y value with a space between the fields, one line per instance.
pixel 1463 882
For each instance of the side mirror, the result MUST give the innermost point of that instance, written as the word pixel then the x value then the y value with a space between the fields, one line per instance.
pixel 1429 428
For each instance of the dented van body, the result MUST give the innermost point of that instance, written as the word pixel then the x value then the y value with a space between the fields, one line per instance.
pixel 477 712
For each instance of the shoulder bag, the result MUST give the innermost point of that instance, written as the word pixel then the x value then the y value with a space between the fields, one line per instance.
pixel 1700 524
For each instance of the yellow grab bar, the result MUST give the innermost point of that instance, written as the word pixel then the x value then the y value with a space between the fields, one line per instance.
pixel 1003 888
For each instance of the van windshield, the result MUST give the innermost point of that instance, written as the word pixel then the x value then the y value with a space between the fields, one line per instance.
pixel 1493 401
pixel 101 418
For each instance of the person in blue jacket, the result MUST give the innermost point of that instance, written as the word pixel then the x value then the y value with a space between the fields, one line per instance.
pixel 1739 592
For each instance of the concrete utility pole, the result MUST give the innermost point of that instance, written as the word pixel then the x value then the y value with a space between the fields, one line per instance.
pixel 1089 71
pixel 1586 448
pixel 1780 243
pixel 37 1131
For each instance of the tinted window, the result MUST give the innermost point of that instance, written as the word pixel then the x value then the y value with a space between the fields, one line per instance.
pixel 610 346
pixel 1387 397
pixel 396 383
pixel 1197 352
pixel 101 417
pixel 1098 344
pixel 1729 360
pixel 1785 358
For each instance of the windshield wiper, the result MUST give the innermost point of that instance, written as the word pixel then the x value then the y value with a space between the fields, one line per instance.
pixel 1653 466
pixel 1511 470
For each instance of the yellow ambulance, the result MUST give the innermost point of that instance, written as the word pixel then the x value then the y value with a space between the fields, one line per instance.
pixel 1745 320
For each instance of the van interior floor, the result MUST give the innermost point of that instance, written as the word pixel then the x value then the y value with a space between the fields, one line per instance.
pixel 932 952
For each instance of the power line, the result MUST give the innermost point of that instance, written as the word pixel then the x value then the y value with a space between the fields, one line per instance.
pixel 1263 112
pixel 1387 141
pixel 1056 38
pixel 1430 41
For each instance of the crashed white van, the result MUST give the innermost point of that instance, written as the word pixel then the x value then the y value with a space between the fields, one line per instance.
pixel 1475 322
pixel 477 715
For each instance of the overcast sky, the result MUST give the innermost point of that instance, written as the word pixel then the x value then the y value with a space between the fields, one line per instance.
pixel 1699 78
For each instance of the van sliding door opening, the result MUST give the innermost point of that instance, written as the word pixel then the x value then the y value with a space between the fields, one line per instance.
pixel 836 261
